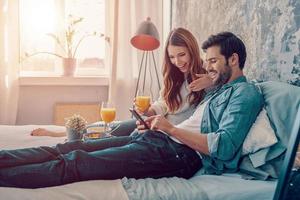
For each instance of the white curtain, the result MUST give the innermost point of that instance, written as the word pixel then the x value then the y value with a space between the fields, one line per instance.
pixel 126 16
pixel 9 64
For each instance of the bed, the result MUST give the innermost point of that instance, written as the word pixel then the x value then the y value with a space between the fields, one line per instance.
pixel 199 187
pixel 12 137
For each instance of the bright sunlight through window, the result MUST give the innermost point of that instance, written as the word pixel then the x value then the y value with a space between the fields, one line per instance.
pixel 52 30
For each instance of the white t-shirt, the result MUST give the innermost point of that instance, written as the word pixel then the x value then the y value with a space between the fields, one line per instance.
pixel 184 111
pixel 193 122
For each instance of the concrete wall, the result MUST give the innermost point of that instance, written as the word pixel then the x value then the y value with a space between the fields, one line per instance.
pixel 36 103
pixel 269 28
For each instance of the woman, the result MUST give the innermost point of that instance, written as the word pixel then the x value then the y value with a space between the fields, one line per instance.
pixel 182 66
pixel 184 80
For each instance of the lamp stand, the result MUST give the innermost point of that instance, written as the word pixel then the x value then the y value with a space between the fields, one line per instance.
pixel 144 65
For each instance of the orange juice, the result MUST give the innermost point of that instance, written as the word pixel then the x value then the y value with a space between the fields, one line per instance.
pixel 108 114
pixel 143 102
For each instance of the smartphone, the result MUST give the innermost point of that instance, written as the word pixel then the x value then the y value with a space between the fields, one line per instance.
pixel 139 117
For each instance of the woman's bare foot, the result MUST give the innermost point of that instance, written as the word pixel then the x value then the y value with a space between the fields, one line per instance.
pixel 40 132
pixel 44 132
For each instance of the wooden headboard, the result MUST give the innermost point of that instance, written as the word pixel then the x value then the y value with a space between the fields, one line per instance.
pixel 90 111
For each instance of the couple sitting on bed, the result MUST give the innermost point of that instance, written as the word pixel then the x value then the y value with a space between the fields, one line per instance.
pixel 182 90
pixel 210 139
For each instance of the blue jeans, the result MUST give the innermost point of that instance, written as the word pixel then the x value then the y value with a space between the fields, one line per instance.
pixel 124 128
pixel 151 154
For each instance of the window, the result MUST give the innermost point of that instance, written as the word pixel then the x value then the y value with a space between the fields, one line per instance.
pixel 43 23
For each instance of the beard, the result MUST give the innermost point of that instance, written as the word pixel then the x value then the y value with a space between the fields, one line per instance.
pixel 223 76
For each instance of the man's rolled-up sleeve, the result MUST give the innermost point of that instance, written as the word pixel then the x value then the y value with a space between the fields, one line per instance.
pixel 237 119
pixel 212 141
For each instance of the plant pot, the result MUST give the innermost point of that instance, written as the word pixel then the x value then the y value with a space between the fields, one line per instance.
pixel 69 66
pixel 73 135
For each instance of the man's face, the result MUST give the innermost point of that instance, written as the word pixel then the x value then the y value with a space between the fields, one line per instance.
pixel 217 66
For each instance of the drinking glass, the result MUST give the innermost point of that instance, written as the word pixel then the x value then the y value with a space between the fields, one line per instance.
pixel 142 101
pixel 108 115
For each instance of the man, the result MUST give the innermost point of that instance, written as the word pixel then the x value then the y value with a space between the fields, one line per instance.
pixel 211 138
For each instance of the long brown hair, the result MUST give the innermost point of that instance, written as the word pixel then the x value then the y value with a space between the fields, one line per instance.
pixel 173 77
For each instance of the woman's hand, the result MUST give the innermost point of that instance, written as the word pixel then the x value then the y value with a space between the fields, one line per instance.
pixel 203 81
pixel 148 112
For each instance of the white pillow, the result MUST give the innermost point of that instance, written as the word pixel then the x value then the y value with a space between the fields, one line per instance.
pixel 261 135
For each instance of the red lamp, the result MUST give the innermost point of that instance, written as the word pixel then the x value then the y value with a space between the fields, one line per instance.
pixel 146 39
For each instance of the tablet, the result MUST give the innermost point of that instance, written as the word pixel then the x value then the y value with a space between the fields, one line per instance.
pixel 139 117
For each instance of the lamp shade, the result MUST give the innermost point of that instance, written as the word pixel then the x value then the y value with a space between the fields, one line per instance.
pixel 146 38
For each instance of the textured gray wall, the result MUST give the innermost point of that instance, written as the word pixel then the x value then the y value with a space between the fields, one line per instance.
pixel 269 28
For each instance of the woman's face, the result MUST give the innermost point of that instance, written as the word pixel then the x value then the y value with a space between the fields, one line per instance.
pixel 180 57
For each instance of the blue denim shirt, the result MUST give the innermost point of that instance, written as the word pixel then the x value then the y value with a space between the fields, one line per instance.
pixel 227 118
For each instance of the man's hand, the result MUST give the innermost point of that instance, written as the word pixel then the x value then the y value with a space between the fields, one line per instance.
pixel 297 160
pixel 141 128
pixel 159 122
pixel 203 81
pixel 156 122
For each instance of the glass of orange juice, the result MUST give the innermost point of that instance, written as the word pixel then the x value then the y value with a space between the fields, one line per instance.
pixel 142 101
pixel 108 115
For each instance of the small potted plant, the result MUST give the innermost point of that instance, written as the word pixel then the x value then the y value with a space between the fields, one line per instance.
pixel 68 45
pixel 75 126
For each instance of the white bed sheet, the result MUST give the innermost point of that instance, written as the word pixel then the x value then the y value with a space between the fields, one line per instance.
pixel 200 187
pixel 234 187
pixel 204 187
pixel 13 137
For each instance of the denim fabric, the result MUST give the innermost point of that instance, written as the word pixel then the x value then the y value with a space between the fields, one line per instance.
pixel 124 128
pixel 293 187
pixel 18 157
pixel 151 154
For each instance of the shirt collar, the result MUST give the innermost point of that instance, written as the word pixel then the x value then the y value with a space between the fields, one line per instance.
pixel 238 80
pixel 221 88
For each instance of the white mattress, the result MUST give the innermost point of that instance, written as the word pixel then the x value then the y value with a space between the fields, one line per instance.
pixel 208 187
pixel 200 187
pixel 13 137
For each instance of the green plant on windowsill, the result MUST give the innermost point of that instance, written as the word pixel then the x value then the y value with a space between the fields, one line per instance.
pixel 68 45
